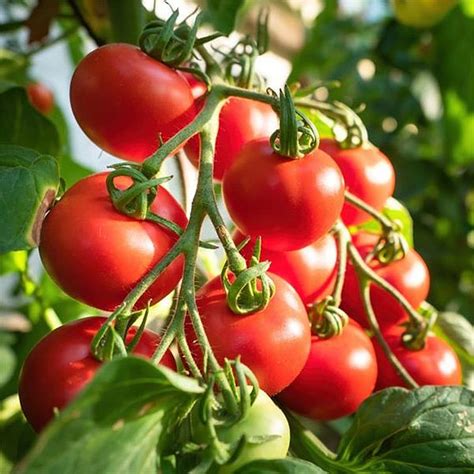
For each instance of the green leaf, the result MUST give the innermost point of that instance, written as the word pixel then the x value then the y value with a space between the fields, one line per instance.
pixel 7 363
pixel 28 185
pixel 458 332
pixel 426 430
pixel 280 466
pixel 127 19
pixel 117 424
pixel 222 14
pixel 21 124
pixel 467 7
pixel 398 213
pixel 13 261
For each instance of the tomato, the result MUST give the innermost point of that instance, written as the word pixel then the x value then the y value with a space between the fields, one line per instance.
pixel 264 340
pixel 240 121
pixel 435 364
pixel 124 100
pixel 421 13
pixel 61 364
pixel 289 203
pixel 368 174
pixel 198 87
pixel 97 254
pixel 410 276
pixel 311 271
pixel 40 97
pixel 338 376
pixel 263 419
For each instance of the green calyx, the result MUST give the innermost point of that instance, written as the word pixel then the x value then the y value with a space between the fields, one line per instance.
pixel 297 136
pixel 327 319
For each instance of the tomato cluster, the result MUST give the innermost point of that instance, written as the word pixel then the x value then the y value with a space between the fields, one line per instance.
pixel 126 102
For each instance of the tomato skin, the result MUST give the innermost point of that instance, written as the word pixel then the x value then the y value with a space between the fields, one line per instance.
pixel 339 375
pixel 40 97
pixel 311 271
pixel 435 364
pixel 123 100
pixel 263 339
pixel 289 203
pixel 368 174
pixel 61 364
pixel 263 419
pixel 240 121
pixel 410 276
pixel 97 255
pixel 198 87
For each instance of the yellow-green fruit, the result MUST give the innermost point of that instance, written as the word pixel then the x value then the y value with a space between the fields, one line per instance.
pixel 421 13
pixel 263 419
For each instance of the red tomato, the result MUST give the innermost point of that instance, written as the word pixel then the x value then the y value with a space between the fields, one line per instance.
pixel 368 174
pixel 198 87
pixel 435 364
pixel 273 343
pixel 339 375
pixel 124 99
pixel 289 203
pixel 311 271
pixel 40 97
pixel 410 276
pixel 97 255
pixel 240 121
pixel 61 364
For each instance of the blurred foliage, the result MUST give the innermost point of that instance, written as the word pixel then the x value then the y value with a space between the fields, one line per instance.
pixel 417 88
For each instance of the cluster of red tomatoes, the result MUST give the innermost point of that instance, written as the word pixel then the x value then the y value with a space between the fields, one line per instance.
pixel 124 100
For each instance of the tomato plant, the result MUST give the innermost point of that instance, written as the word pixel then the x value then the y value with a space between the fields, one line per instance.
pixel 61 364
pixel 263 419
pixel 262 339
pixel 240 121
pixel 124 101
pixel 408 275
pixel 311 271
pixel 279 199
pixel 40 97
pixel 368 174
pixel 86 245
pixel 338 376
pixel 435 364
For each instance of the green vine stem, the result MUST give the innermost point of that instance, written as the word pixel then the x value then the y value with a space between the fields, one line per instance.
pixel 387 224
pixel 342 238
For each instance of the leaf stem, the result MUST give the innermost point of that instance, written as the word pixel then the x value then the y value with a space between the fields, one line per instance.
pixel 385 222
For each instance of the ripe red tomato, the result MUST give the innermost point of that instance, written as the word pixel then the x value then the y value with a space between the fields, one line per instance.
pixel 97 255
pixel 410 276
pixel 289 203
pixel 61 364
pixel 435 364
pixel 368 174
pixel 311 271
pixel 40 97
pixel 339 375
pixel 273 343
pixel 124 99
pixel 198 87
pixel 240 121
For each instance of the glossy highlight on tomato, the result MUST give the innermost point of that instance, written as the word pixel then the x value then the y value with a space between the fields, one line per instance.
pixel 125 100
pixel 61 364
pixel 435 364
pixel 290 203
pixel 97 254
pixel 311 271
pixel 273 343
pixel 338 376
pixel 368 174
pixel 240 121
pixel 410 276
pixel 40 97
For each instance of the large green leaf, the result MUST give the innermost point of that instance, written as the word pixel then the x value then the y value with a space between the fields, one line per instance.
pixel 117 424
pixel 426 430
pixel 222 14
pixel 280 466
pixel 28 185
pixel 21 124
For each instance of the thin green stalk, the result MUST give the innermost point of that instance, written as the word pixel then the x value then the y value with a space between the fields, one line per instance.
pixel 342 238
pixel 378 216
